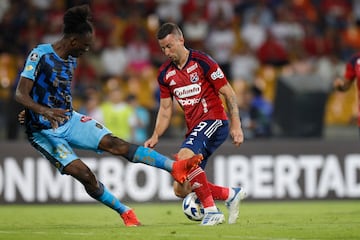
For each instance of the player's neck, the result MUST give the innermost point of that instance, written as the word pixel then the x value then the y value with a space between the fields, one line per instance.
pixel 59 48
pixel 183 59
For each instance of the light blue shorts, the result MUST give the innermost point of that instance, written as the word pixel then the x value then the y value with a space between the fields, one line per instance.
pixel 206 137
pixel 57 145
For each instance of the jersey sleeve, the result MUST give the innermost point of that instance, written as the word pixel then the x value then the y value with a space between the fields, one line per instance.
pixel 214 74
pixel 31 64
pixel 164 89
pixel 350 73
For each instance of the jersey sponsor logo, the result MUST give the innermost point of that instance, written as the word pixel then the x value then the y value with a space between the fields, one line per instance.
pixel 187 91
pixel 170 74
pixel 217 74
pixel 191 68
pixel 85 119
pixel 189 101
pixel 194 77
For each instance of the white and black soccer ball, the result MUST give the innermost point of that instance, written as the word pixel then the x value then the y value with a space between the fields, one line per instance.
pixel 192 207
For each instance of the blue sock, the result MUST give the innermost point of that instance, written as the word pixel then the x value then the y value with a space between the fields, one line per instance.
pixel 152 158
pixel 111 201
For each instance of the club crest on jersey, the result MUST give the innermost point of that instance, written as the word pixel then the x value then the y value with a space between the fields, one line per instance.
pixel 34 57
pixel 217 74
pixel 194 77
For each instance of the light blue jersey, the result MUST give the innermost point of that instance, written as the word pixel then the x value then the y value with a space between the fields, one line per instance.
pixel 52 78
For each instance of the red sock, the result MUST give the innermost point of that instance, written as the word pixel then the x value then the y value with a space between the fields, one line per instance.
pixel 199 185
pixel 218 192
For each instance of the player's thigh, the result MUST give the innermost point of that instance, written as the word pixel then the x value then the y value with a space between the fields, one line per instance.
pixel 85 132
pixel 206 137
pixel 55 149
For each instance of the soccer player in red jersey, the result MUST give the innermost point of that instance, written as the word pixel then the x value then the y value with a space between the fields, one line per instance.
pixel 195 80
pixel 352 73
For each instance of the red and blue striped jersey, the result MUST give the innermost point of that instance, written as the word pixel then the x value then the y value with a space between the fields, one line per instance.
pixel 195 87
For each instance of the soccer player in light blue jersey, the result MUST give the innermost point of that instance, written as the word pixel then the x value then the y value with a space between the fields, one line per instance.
pixel 54 128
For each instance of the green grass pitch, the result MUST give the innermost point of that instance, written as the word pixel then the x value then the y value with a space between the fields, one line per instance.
pixel 297 220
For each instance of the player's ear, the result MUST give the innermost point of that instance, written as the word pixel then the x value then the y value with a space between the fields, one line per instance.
pixel 181 39
pixel 73 41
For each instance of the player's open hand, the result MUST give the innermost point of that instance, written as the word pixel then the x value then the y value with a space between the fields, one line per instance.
pixel 151 142
pixel 21 117
pixel 237 136
pixel 56 116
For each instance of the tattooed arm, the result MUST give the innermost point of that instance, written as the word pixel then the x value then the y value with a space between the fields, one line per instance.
pixel 235 124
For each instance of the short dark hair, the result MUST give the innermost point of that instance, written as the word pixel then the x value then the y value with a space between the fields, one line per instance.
pixel 168 28
pixel 77 20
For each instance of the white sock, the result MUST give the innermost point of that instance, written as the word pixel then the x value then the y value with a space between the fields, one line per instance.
pixel 211 209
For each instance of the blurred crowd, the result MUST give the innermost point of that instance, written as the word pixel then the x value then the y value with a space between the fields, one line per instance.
pixel 302 44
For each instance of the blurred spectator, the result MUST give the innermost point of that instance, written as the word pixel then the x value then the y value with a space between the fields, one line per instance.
pixel 85 75
pixel 138 52
pixel 113 59
pixel 285 28
pixel 261 114
pixel 13 64
pixel 244 99
pixel 271 52
pixel 142 116
pixel 116 113
pixel 103 16
pixel 54 19
pixel 199 6
pixel 169 10
pixel 43 4
pixel 244 65
pixel 253 32
pixel 221 42
pixel 195 29
pixel 335 12
pixel 91 103
pixel 318 43
pixel 4 6
pixel 261 12
pixel 223 8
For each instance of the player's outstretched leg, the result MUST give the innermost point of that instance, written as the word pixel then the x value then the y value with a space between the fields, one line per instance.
pixel 233 204
pixel 178 169
pixel 181 168
pixel 107 198
pixel 130 219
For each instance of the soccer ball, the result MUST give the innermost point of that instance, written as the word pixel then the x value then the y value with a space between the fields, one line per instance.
pixel 192 207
